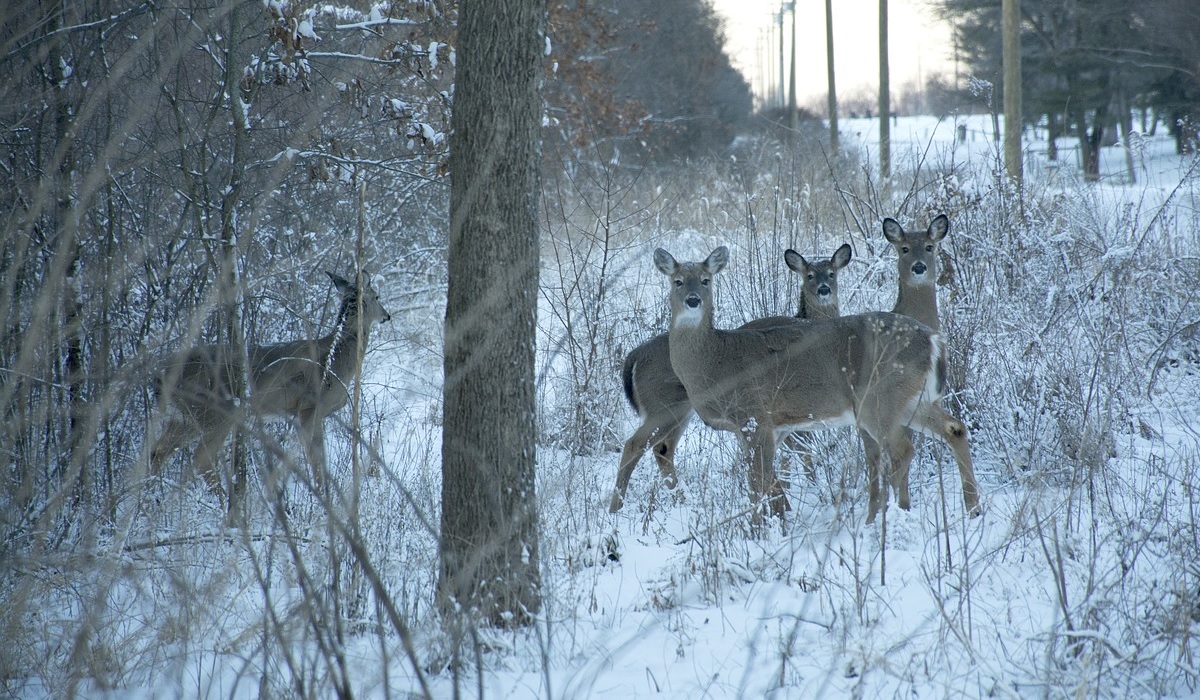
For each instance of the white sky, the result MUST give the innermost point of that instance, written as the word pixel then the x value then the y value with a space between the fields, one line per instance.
pixel 919 43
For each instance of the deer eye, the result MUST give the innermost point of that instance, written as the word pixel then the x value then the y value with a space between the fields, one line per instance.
pixel 929 248
pixel 704 281
pixel 678 283
pixel 904 249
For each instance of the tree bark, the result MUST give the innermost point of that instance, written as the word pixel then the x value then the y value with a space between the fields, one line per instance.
pixel 489 542
pixel 229 275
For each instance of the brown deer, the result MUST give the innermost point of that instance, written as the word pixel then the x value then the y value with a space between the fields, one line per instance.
pixel 658 396
pixel 882 372
pixel 917 253
pixel 917 264
pixel 302 380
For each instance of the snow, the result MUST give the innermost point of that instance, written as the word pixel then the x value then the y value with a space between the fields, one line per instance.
pixel 675 597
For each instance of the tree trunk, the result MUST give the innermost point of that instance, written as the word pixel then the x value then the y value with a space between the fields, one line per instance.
pixel 1053 131
pixel 489 543
pixel 1093 139
pixel 1125 126
pixel 229 275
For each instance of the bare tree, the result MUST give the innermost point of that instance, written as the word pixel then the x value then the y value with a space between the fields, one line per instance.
pixel 489 540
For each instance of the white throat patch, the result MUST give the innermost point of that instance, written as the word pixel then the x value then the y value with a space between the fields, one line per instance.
pixel 689 317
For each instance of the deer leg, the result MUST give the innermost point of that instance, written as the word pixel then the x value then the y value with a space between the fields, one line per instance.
pixel 801 444
pixel 312 431
pixel 635 447
pixel 955 434
pixel 763 482
pixel 876 496
pixel 664 451
pixel 212 440
pixel 175 435
pixel 900 462
pixel 664 434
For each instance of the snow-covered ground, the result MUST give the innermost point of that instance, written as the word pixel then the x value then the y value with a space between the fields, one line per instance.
pixel 1073 583
pixel 1079 580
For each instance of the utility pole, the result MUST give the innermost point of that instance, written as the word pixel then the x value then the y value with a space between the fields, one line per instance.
pixel 793 118
pixel 885 128
pixel 832 95
pixel 782 89
pixel 1011 10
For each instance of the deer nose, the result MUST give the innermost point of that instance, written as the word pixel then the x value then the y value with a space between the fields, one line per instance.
pixel 918 268
pixel 824 290
pixel 692 300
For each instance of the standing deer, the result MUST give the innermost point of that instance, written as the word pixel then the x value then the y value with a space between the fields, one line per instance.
pixel 658 396
pixel 301 380
pixel 881 372
pixel 818 302
pixel 917 260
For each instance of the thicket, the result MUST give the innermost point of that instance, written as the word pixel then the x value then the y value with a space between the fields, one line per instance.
pixel 1071 312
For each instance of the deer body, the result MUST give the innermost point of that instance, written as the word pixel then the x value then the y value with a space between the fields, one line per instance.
pixel 303 380
pixel 879 371
pixel 656 393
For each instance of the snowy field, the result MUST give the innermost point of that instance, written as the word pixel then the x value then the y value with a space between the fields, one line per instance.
pixel 1071 319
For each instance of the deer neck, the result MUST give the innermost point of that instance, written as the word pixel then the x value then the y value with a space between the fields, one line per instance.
pixel 816 312
pixel 918 301
pixel 693 345
pixel 342 349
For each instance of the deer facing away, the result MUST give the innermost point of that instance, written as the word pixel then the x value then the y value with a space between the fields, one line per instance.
pixel 301 380
pixel 881 372
pixel 657 394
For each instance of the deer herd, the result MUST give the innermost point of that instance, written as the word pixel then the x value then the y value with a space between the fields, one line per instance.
pixel 884 373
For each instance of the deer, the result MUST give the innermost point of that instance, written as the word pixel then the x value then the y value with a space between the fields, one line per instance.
pixel 304 381
pixel 656 394
pixel 917 254
pixel 917 263
pixel 881 372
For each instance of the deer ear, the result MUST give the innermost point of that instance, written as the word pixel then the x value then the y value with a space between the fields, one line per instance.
pixel 664 262
pixel 717 260
pixel 892 230
pixel 939 227
pixel 841 256
pixel 794 261
pixel 340 282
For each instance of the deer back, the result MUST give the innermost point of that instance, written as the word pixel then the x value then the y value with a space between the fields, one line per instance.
pixel 650 384
pixel 802 374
